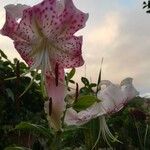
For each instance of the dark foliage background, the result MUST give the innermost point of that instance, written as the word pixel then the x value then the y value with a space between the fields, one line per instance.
pixel 129 125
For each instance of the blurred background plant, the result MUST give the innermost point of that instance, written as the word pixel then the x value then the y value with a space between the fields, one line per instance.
pixel 146 5
pixel 23 122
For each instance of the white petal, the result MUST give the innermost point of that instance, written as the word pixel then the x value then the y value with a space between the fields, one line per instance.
pixel 71 117
pixel 105 82
pixel 74 118
pixel 126 81
pixel 16 11
pixel 60 6
pixel 112 98
pixel 128 89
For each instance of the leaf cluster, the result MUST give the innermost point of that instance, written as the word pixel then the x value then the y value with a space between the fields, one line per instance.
pixel 13 108
pixel 146 5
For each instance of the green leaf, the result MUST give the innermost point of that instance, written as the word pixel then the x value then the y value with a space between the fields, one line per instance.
pixel 100 75
pixel 16 148
pixel 38 77
pixel 23 65
pixel 6 63
pixel 92 85
pixel 10 93
pixel 34 128
pixel 3 54
pixel 15 60
pixel 33 73
pixel 71 74
pixel 71 81
pixel 85 81
pixel 85 91
pixel 84 102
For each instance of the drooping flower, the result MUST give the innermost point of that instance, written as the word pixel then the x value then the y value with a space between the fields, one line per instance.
pixel 44 37
pixel 112 99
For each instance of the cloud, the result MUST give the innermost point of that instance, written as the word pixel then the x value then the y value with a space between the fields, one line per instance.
pixel 122 38
pixel 106 32
pixel 119 33
pixel 98 40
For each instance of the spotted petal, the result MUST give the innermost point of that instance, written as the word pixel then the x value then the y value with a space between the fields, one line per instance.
pixel 74 118
pixel 44 37
pixel 24 49
pixel 68 52
pixel 13 13
pixel 46 16
pixel 71 117
pixel 72 19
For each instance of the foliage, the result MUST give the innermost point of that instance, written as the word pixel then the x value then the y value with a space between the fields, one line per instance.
pixel 23 123
pixel 13 108
pixel 83 102
pixel 146 5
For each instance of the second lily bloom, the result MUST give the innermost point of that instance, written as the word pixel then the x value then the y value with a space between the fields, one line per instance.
pixel 112 99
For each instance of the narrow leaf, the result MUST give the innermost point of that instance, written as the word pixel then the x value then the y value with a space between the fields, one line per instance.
pixel 100 74
pixel 10 93
pixel 3 54
pixel 71 81
pixel 71 74
pixel 16 148
pixel 34 128
pixel 77 92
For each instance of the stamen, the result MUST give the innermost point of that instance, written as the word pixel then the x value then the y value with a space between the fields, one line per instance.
pixel 77 92
pixel 56 74
pixel 106 132
pixel 50 106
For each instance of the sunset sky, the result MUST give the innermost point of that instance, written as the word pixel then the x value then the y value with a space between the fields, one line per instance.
pixel 118 30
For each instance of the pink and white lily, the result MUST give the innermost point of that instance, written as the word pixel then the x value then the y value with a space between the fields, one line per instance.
pixel 44 37
pixel 112 99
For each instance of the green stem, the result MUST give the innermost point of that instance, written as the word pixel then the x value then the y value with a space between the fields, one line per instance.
pixel 44 93
pixel 98 137
pixel 138 133
pixel 12 78
pixel 31 82
pixel 145 136
pixel 63 118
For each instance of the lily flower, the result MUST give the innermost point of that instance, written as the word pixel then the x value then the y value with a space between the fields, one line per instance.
pixel 44 37
pixel 112 99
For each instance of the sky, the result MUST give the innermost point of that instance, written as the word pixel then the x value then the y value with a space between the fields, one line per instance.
pixel 117 30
